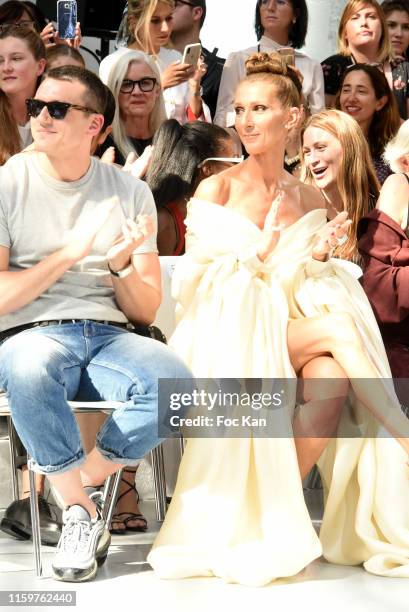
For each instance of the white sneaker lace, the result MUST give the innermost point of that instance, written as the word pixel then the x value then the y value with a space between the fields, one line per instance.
pixel 76 535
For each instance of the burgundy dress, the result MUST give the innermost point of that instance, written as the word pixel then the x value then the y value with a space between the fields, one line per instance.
pixel 384 246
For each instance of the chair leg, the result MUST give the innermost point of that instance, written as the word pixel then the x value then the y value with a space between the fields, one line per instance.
pixel 182 443
pixel 159 480
pixel 35 523
pixel 13 455
pixel 114 495
pixel 313 480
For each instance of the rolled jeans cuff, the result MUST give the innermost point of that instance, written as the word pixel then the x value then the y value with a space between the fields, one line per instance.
pixel 53 470
pixel 110 455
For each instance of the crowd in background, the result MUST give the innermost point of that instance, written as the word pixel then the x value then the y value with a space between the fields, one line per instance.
pixel 173 124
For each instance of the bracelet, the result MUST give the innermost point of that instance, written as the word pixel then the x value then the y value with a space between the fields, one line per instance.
pixel 290 161
pixel 122 273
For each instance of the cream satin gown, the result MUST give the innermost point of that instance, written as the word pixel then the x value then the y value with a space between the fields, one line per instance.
pixel 238 510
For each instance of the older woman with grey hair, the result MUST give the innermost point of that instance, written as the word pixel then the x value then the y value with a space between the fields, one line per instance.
pixel 140 110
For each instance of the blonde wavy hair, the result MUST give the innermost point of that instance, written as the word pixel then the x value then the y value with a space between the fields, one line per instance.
pixel 353 6
pixel 116 76
pixel 357 182
pixel 139 17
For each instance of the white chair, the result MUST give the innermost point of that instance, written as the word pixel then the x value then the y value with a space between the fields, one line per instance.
pixel 112 483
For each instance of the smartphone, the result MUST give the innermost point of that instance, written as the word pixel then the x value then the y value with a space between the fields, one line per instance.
pixel 67 18
pixel 191 54
pixel 288 55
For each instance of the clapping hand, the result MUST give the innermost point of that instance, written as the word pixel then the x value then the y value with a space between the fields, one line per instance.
pixel 334 233
pixel 271 229
pixel 133 235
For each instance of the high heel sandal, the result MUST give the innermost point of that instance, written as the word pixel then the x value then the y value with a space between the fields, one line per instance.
pixel 128 516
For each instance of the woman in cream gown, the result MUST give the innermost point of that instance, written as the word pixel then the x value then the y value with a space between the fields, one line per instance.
pixel 254 303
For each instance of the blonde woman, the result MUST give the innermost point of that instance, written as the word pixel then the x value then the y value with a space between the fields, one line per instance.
pixel 257 273
pixel 149 26
pixel 277 25
pixel 383 244
pixel 140 109
pixel 336 159
pixel 363 38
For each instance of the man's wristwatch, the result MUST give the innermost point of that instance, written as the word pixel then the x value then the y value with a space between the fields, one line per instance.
pixel 122 273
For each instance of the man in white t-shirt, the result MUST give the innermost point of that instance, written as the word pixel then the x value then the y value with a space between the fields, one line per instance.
pixel 78 263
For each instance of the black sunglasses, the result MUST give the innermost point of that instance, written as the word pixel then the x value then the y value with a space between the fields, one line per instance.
pixel 56 110
pixel 184 2
pixel 146 84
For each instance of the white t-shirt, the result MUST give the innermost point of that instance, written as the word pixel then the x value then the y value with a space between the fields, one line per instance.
pixel 25 135
pixel 176 98
pixel 37 214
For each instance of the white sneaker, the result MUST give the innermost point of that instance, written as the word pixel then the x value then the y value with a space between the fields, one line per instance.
pixel 84 541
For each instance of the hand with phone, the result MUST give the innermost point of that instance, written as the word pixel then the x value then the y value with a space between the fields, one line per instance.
pixel 176 73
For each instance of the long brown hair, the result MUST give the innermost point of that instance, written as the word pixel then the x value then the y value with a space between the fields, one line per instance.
pixel 10 142
pixel 357 182
pixel 385 52
pixel 385 122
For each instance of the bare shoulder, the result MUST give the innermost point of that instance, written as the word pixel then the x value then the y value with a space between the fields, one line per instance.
pixel 215 189
pixel 394 196
pixel 311 197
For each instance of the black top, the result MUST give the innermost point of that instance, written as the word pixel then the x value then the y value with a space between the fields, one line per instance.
pixel 211 80
pixel 139 144
pixel 334 68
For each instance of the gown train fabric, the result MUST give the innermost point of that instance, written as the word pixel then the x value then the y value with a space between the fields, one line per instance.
pixel 238 510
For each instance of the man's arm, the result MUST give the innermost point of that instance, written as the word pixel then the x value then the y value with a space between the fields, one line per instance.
pixel 17 289
pixel 139 294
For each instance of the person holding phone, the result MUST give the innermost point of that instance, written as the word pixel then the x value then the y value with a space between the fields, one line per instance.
pixel 279 23
pixel 23 14
pixel 149 26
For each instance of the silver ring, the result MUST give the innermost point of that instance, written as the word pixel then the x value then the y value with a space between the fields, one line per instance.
pixel 341 241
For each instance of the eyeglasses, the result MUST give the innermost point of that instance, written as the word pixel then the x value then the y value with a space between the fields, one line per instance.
pixel 226 160
pixel 179 2
pixel 146 84
pixel 279 3
pixel 56 110
pixel 18 24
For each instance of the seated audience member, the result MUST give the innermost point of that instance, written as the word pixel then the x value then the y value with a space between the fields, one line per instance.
pixel 63 55
pixel 22 62
pixel 182 157
pixel 383 244
pixel 75 274
pixel 14 12
pixel 336 159
pixel 149 26
pixel 363 38
pixel 366 96
pixel 397 19
pixel 140 110
pixel 278 24
pixel 188 20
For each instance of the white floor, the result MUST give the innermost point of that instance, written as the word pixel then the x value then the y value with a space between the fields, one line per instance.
pixel 126 582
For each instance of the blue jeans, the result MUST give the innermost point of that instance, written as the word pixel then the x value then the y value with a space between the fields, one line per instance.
pixel 43 367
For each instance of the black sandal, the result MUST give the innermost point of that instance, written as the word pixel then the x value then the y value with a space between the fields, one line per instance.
pixel 128 516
